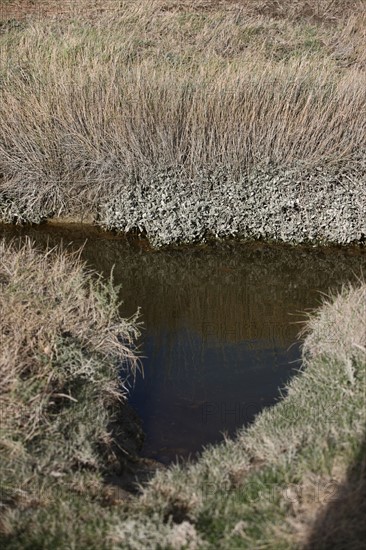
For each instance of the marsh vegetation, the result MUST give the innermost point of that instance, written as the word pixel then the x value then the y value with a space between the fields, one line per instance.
pixel 148 115
pixel 180 120
pixel 65 357
pixel 290 479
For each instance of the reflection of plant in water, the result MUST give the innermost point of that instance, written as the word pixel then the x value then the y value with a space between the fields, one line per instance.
pixel 231 292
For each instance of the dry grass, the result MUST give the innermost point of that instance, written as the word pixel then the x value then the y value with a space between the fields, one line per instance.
pixel 338 332
pixel 87 104
pixel 316 10
pixel 65 356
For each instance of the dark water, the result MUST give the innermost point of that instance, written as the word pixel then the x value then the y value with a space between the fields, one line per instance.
pixel 220 325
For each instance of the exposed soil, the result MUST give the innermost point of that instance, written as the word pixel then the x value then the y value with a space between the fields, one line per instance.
pixel 132 471
pixel 20 9
pixel 318 11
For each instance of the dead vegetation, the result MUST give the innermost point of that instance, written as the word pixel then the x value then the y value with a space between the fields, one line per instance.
pixel 314 10
pixel 87 104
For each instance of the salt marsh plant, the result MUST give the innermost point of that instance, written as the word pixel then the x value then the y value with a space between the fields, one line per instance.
pixel 92 101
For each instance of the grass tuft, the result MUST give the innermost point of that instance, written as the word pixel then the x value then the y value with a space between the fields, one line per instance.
pixel 65 358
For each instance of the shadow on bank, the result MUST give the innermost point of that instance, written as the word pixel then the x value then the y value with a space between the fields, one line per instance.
pixel 342 523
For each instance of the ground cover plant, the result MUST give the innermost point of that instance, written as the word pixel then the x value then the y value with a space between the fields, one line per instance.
pixel 117 108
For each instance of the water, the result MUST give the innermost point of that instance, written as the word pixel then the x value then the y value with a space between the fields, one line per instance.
pixel 220 325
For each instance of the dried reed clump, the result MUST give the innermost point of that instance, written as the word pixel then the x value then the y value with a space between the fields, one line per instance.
pixel 87 106
pixel 65 357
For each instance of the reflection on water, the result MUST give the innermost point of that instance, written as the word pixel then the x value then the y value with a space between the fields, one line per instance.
pixel 205 387
pixel 220 325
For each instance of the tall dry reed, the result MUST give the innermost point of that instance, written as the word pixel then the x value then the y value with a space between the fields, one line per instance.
pixel 87 104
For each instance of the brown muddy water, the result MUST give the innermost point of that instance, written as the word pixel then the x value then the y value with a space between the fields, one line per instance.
pixel 220 325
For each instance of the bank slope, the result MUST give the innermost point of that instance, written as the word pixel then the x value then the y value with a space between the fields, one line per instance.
pixel 296 478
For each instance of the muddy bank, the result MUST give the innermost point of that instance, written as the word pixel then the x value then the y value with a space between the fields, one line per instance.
pixel 130 471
